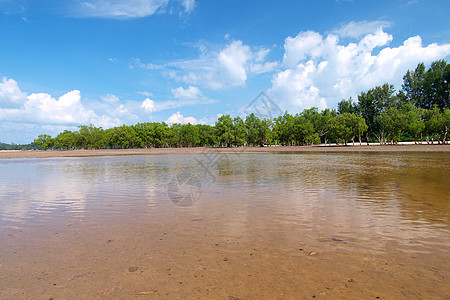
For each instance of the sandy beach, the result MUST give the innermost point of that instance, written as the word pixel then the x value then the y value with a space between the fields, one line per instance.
pixel 199 150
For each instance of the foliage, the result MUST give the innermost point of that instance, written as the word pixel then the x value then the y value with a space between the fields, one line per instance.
pixel 428 88
pixel 347 126
pixel 372 103
pixel 347 106
pixel 224 128
pixel 4 146
pixel 420 109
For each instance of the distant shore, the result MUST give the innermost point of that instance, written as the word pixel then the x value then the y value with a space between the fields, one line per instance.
pixel 284 149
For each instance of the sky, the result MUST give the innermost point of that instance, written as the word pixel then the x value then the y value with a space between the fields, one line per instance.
pixel 111 62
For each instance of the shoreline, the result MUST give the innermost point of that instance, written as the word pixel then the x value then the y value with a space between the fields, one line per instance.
pixel 200 150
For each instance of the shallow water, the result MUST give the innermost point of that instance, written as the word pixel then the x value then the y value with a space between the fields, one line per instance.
pixel 234 225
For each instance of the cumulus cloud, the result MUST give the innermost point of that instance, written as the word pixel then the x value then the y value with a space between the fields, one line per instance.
pixel 10 94
pixel 319 71
pixel 179 118
pixel 229 67
pixel 118 9
pixel 148 105
pixel 42 108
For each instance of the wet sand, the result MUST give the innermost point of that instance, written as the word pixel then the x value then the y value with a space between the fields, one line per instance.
pixel 200 150
pixel 194 259
pixel 314 226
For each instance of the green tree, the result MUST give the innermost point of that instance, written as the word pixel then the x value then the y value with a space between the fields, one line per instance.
pixel 304 133
pixel 224 128
pixel 265 131
pixel 324 129
pixel 45 141
pixel 207 135
pixel 123 137
pixel 413 85
pixel 372 103
pixel 66 140
pixel 437 86
pixel 189 135
pixel 162 134
pixel 414 122
pixel 346 126
pixel 319 121
pixel 258 131
pixel 360 126
pixel 252 124
pixel 90 137
pixel 283 129
pixel 347 106
pixel 434 124
pixel 393 122
pixel 446 115
pixel 146 133
pixel 239 132
pixel 429 88
pixel 174 138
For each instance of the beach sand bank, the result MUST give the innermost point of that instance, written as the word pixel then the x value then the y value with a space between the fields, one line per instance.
pixel 199 150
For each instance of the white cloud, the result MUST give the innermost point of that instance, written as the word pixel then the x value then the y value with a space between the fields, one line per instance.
pixel 232 61
pixel 184 97
pixel 145 93
pixel 188 5
pixel 192 92
pixel 191 120
pixel 10 94
pixel 318 71
pixel 148 105
pixel 148 66
pixel 298 47
pixel 229 67
pixel 119 9
pixel 359 29
pixel 110 98
pixel 43 109
pixel 179 118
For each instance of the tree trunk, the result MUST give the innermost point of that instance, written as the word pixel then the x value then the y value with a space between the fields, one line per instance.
pixel 444 137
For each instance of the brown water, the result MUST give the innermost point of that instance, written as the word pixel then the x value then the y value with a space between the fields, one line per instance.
pixel 124 227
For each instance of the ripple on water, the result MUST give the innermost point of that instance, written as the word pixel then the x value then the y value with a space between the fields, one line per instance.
pixel 369 198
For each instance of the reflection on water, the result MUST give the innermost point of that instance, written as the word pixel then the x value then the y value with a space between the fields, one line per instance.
pixel 361 198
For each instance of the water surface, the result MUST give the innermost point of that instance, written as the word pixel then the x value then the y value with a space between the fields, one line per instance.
pixel 79 225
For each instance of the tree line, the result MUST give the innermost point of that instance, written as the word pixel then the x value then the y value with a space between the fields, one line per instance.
pixel 4 146
pixel 420 111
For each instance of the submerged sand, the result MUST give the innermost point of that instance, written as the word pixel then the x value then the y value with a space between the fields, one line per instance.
pixel 356 226
pixel 200 150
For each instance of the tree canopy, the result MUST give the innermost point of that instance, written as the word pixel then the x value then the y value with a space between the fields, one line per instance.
pixel 419 111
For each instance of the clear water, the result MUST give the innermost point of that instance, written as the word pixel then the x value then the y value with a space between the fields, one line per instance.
pixel 366 202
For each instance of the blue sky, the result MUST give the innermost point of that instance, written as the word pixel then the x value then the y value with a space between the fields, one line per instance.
pixel 110 62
